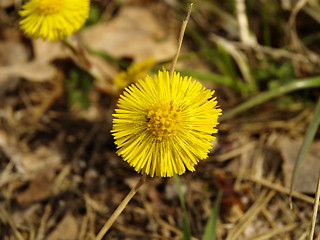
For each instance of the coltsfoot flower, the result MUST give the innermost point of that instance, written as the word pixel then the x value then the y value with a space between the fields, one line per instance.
pixel 164 126
pixel 135 72
pixel 53 19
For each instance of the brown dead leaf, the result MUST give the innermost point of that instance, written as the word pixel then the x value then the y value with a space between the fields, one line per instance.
pixel 134 33
pixel 33 71
pixel 230 197
pixel 7 3
pixel 67 229
pixel 38 70
pixel 38 166
pixel 12 52
pixel 26 161
pixel 46 51
pixel 308 174
pixel 39 188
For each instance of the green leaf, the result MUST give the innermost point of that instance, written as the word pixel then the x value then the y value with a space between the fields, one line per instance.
pixel 211 226
pixel 207 76
pixel 94 15
pixel 78 84
pixel 308 139
pixel 294 85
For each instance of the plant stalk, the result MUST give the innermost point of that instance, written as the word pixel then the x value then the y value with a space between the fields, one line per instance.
pixel 120 208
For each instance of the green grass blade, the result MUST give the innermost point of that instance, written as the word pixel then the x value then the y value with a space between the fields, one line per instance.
pixel 206 76
pixel 294 85
pixel 186 222
pixel 308 139
pixel 211 227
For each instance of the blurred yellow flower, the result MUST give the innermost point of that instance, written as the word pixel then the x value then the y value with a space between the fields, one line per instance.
pixel 164 126
pixel 135 72
pixel 53 19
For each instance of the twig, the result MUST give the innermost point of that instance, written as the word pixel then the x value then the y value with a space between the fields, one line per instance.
pixel 271 233
pixel 240 58
pixel 43 222
pixel 303 236
pixel 243 23
pixel 120 208
pixel 261 201
pixel 315 210
pixel 182 31
pixel 281 189
pixel 7 218
pixel 292 23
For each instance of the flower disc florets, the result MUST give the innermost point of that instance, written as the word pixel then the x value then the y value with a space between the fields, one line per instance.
pixel 164 126
pixel 164 120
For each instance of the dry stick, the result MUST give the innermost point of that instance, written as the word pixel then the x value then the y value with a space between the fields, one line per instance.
pixel 262 200
pixel 182 31
pixel 281 189
pixel 43 222
pixel 120 208
pixel 243 23
pixel 4 215
pixel 271 233
pixel 292 23
pixel 315 210
pixel 303 236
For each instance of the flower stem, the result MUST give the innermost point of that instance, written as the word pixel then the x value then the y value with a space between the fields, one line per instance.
pixel 182 31
pixel 120 208
pixel 87 62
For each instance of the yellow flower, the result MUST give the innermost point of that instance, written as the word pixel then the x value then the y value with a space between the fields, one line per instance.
pixel 135 72
pixel 53 19
pixel 164 126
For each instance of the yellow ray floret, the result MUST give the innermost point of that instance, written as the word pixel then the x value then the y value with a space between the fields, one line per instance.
pixel 164 126
pixel 53 19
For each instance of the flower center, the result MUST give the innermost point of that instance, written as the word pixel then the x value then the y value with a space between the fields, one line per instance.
pixel 164 120
pixel 48 7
